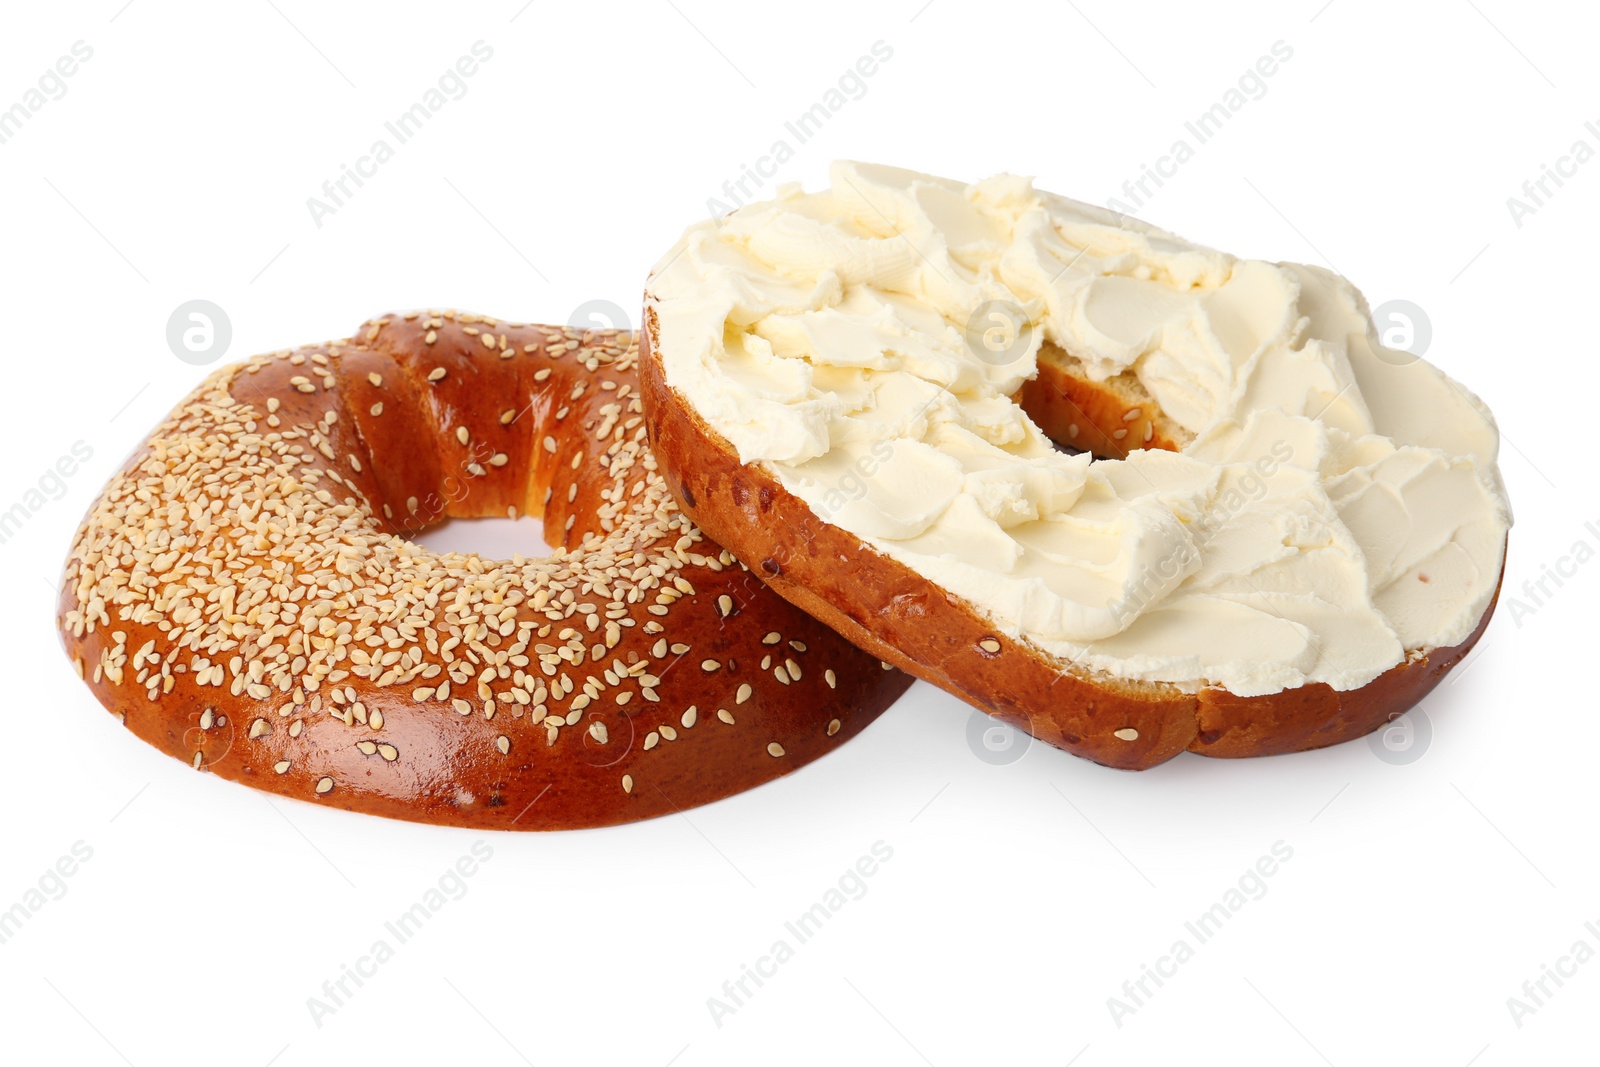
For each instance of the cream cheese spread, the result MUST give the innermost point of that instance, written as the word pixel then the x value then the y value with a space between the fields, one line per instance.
pixel 1337 506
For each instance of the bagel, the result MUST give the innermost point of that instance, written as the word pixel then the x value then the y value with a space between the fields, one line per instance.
pixel 243 595
pixel 1127 493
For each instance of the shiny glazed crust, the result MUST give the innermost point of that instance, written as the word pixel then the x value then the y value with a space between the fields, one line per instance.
pixel 893 612
pixel 242 596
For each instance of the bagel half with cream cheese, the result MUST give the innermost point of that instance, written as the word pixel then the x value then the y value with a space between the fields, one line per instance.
pixel 1262 531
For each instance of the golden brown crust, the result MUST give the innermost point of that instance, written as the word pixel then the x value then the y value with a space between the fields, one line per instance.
pixel 315 665
pixel 1090 416
pixel 893 612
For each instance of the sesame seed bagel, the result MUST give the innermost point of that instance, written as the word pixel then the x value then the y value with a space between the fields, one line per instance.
pixel 243 595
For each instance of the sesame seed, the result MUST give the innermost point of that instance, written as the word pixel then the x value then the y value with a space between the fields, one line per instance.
pixel 725 715
pixel 627 783
pixel 989 644
pixel 743 694
pixel 324 785
pixel 281 767
pixel 503 743
pixel 833 727
pixel 710 665
pixel 690 717
pixel 774 750
pixel 831 678
pixel 1127 733
pixel 436 374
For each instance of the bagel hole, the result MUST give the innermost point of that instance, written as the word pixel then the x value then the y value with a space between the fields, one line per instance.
pixel 491 538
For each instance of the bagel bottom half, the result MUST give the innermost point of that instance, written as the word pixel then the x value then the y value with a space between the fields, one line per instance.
pixel 895 613
pixel 244 594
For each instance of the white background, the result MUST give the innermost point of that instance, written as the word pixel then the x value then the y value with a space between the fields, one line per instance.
pixel 1020 897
